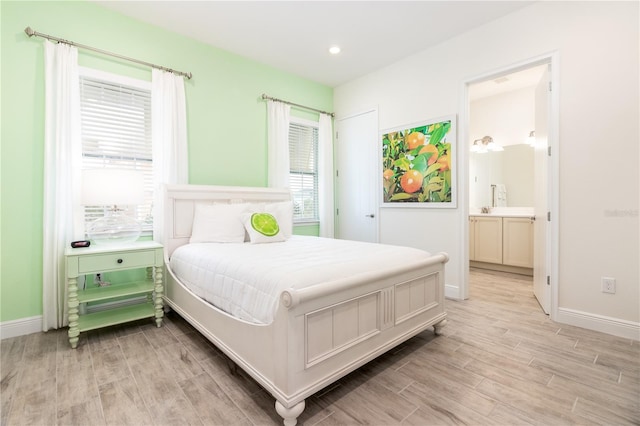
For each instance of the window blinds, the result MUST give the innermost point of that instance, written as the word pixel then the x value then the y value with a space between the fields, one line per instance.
pixel 303 176
pixel 116 133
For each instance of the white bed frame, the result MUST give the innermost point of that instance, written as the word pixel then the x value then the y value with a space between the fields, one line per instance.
pixel 320 333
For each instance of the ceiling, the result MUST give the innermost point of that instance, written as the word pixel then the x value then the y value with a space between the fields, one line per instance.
pixel 527 77
pixel 295 36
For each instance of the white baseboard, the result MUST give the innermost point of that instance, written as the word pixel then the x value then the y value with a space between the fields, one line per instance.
pixel 614 326
pixel 20 327
pixel 452 292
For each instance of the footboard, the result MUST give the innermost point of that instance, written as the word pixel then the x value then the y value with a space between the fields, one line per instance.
pixel 333 329
pixel 336 328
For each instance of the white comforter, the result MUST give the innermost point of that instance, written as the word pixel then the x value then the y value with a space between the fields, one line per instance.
pixel 246 280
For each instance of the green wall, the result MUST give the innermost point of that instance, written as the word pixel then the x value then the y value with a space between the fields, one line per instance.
pixel 226 118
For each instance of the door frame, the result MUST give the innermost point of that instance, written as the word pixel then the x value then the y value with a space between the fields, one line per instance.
pixel 551 58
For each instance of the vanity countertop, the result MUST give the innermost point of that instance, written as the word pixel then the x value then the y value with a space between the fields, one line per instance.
pixel 504 212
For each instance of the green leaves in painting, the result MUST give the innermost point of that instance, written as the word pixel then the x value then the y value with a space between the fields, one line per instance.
pixel 417 164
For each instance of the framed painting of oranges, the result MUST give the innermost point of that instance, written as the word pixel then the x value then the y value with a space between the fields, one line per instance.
pixel 418 164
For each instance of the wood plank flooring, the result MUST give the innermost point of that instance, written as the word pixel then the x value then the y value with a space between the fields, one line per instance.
pixel 500 361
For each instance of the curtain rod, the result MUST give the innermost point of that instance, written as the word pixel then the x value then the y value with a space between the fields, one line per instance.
pixel 32 33
pixel 265 97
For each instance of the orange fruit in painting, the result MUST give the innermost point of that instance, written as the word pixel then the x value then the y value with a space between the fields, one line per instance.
pixel 445 163
pixel 387 174
pixel 415 140
pixel 411 181
pixel 434 153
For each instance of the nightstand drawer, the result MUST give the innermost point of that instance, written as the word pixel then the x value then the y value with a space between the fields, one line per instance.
pixel 113 262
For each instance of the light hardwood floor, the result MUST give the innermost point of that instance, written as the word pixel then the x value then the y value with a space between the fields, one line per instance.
pixel 500 361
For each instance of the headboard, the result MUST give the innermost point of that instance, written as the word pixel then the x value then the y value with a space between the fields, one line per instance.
pixel 180 201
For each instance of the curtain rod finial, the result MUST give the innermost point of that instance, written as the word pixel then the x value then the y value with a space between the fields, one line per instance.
pixel 29 31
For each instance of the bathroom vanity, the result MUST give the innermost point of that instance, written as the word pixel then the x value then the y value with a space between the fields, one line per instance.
pixel 502 240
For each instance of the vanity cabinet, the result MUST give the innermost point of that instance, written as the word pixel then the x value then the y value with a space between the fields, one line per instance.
pixel 517 242
pixel 497 242
pixel 486 234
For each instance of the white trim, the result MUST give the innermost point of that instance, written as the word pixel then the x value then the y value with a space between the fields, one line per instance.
pixel 554 186
pixel 306 222
pixel 452 292
pixel 604 324
pixel 114 78
pixel 20 327
pixel 463 190
pixel 360 112
pixel 304 122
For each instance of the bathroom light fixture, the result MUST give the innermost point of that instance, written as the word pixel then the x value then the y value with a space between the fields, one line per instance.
pixel 485 144
pixel 334 50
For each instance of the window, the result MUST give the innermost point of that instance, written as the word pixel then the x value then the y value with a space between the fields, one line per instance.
pixel 303 172
pixel 115 115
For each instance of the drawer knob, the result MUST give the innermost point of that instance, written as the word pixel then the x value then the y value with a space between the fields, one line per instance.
pixel 119 260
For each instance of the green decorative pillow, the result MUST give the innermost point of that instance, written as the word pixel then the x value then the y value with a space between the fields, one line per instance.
pixel 262 227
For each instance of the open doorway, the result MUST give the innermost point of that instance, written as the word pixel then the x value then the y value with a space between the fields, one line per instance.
pixel 509 191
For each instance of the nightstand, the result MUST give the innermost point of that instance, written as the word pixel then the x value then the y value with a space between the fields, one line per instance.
pixel 107 258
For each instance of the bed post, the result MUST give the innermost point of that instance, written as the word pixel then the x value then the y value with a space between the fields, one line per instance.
pixel 290 415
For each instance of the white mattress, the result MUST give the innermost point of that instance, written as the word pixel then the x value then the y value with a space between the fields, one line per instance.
pixel 246 280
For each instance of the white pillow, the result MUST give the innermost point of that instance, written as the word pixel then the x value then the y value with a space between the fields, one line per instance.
pixel 218 223
pixel 262 227
pixel 283 212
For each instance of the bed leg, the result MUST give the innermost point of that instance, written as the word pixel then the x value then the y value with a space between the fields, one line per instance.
pixel 290 415
pixel 437 328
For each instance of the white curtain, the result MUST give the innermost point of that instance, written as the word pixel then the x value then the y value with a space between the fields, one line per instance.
pixel 278 118
pixel 170 152
pixel 325 176
pixel 62 216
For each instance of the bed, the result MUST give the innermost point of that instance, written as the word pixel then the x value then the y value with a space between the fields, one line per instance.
pixel 317 328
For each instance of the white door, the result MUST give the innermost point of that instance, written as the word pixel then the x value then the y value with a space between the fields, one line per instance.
pixel 357 177
pixel 541 285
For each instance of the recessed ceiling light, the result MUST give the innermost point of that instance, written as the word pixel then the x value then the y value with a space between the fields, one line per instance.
pixel 334 50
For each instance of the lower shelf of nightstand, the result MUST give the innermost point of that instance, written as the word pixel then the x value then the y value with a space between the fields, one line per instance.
pixel 93 294
pixel 115 316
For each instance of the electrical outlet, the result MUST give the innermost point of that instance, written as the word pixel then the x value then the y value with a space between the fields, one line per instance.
pixel 608 285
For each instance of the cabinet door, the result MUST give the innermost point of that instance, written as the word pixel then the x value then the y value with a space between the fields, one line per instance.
pixel 472 239
pixel 518 242
pixel 488 239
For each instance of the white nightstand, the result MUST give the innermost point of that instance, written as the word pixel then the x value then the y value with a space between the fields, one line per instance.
pixel 106 258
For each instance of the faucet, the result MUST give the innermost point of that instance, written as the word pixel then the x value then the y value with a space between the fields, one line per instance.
pixel 493 195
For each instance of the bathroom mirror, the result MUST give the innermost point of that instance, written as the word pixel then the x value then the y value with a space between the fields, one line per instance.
pixel 513 168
